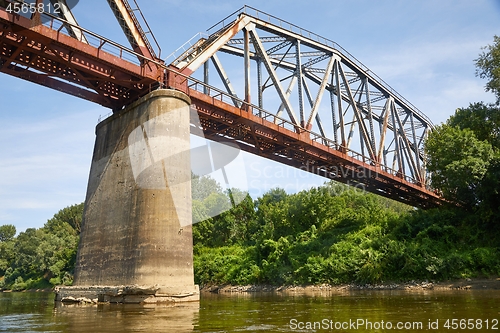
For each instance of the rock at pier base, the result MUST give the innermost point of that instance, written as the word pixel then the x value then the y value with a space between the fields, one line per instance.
pixel 125 294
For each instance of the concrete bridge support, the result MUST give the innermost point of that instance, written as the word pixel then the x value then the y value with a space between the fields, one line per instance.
pixel 136 240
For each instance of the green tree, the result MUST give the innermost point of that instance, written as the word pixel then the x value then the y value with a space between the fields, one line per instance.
pixel 26 246
pixel 488 67
pixel 203 187
pixel 67 220
pixel 482 119
pixel 464 154
pixel 7 232
pixel 458 161
pixel 39 258
pixel 217 219
pixel 236 225
pixel 7 255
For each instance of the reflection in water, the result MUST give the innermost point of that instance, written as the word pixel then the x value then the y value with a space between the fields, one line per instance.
pixel 250 312
pixel 127 317
pixel 275 312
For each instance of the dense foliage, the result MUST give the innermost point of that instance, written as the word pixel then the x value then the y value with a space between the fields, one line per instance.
pixel 335 234
pixel 330 234
pixel 40 258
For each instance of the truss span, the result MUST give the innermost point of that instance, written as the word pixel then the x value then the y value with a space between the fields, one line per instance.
pixel 315 106
pixel 326 96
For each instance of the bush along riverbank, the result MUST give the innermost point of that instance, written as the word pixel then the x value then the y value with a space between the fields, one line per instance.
pixel 336 235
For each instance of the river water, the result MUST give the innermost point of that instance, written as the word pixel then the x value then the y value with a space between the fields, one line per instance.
pixel 355 311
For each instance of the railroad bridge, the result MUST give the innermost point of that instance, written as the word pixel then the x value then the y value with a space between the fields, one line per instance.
pixel 297 98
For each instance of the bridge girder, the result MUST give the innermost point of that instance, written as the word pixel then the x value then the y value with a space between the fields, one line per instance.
pixel 90 67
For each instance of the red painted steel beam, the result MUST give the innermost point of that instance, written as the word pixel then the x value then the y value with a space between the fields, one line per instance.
pixel 45 51
pixel 49 82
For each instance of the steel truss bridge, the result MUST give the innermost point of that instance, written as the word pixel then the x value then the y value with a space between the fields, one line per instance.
pixel 289 95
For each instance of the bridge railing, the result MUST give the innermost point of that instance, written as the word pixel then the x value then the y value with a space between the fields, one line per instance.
pixel 187 46
pixel 260 15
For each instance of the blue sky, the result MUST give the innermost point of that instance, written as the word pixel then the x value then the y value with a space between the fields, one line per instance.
pixel 424 49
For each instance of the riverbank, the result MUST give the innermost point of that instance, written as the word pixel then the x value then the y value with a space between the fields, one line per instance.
pixel 44 290
pixel 462 284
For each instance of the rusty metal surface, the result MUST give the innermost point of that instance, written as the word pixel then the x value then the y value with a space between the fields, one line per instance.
pixel 132 29
pixel 49 57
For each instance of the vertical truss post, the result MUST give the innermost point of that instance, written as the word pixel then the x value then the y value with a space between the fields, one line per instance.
pixel 424 159
pixel 383 129
pixel 339 102
pixel 370 117
pixel 259 85
pixel 248 98
pixel 206 77
pixel 397 151
pixel 402 154
pixel 334 116
pixel 298 72
pixel 415 148
pixel 362 144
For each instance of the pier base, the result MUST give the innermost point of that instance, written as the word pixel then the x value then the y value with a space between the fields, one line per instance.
pixel 136 240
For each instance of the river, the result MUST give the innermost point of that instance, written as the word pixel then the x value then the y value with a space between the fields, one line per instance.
pixel 360 311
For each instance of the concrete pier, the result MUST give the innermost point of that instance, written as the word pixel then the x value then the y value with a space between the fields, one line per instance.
pixel 136 241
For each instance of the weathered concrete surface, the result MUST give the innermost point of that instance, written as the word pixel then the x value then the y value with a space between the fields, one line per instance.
pixel 122 294
pixel 136 229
